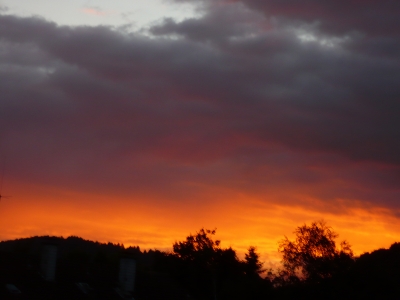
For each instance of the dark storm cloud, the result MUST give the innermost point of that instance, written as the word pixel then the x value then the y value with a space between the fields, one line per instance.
pixel 339 92
pixel 372 17
pixel 234 98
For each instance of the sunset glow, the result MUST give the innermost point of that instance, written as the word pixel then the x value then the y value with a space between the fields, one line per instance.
pixel 246 116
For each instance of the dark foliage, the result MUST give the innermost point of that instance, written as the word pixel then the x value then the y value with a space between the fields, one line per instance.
pixel 212 272
pixel 313 256
pixel 79 260
pixel 252 265
pixel 200 269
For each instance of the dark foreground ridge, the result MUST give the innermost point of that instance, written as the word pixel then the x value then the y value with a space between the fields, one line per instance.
pixel 84 270
pixel 197 269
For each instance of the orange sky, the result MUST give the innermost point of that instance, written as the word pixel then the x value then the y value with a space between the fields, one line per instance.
pixel 240 221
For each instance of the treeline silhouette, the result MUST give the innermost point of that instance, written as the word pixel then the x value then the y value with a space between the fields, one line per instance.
pixel 198 268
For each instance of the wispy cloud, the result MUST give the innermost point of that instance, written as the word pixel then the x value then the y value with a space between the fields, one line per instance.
pixel 96 11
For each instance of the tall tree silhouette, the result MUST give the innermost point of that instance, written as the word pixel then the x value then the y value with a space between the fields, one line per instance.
pixel 253 266
pixel 313 255
pixel 200 253
pixel 205 263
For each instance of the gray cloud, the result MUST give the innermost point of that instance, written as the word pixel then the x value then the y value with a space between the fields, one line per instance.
pixel 238 96
pixel 336 17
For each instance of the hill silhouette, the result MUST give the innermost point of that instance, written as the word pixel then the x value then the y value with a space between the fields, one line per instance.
pixel 197 268
pixel 81 261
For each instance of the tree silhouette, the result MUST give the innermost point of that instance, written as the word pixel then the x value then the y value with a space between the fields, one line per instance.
pixel 199 248
pixel 252 264
pixel 313 255
pixel 200 255
pixel 205 265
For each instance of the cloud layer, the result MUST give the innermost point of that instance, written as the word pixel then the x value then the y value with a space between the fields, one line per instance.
pixel 275 100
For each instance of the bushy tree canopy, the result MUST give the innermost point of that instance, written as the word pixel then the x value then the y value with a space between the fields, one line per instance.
pixel 199 247
pixel 313 255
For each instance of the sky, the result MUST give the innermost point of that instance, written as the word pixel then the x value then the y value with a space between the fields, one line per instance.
pixel 140 122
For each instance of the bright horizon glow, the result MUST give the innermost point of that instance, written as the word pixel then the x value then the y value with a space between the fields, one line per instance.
pixel 149 226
